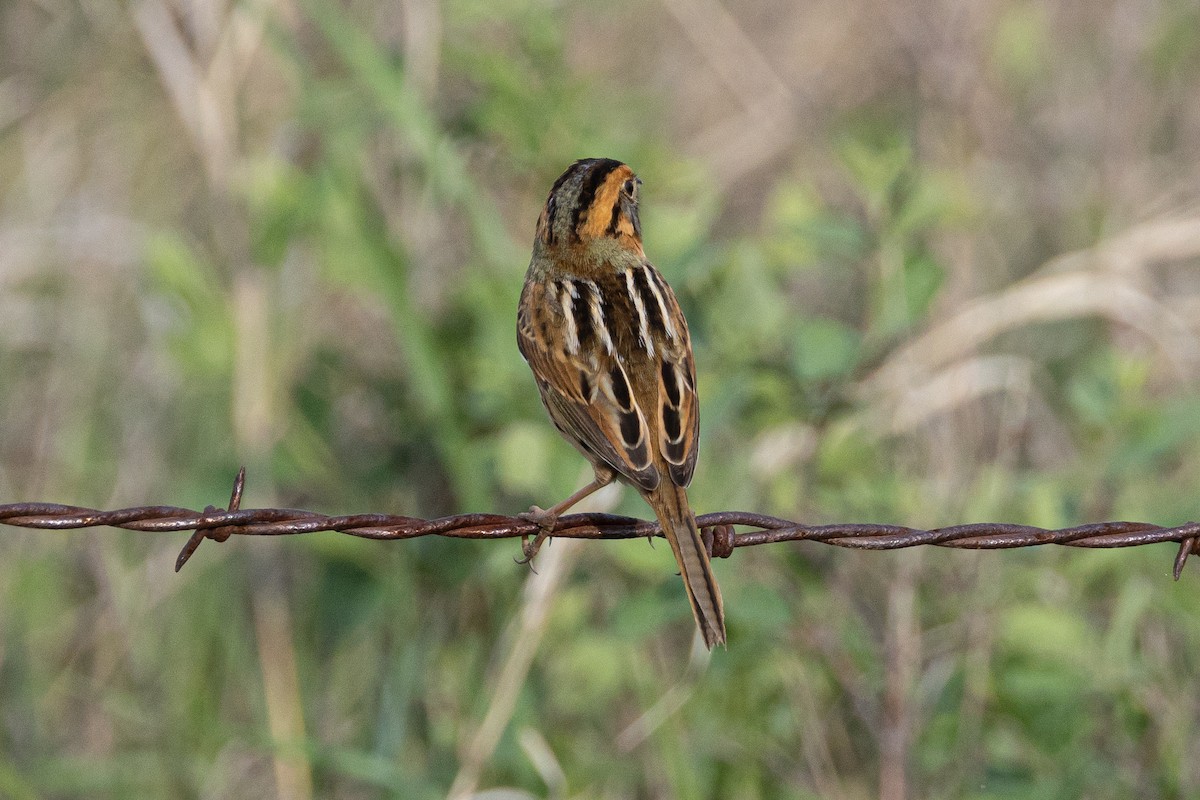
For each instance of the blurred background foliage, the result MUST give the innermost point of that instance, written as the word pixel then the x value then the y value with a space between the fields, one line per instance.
pixel 940 264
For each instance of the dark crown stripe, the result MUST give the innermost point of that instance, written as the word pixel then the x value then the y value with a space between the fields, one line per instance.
pixel 601 169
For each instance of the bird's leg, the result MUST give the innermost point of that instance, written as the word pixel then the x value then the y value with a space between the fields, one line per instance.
pixel 546 518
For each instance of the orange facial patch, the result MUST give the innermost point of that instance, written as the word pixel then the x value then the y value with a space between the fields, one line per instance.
pixel 604 205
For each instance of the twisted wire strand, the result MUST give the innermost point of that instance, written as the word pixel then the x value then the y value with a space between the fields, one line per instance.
pixel 219 524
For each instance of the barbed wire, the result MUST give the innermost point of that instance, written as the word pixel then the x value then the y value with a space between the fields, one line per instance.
pixel 718 528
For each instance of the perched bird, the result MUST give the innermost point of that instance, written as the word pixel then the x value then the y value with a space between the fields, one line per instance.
pixel 609 348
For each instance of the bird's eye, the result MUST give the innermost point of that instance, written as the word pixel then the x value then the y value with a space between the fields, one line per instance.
pixel 629 187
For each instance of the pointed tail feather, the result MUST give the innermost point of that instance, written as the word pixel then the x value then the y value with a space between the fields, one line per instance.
pixel 670 505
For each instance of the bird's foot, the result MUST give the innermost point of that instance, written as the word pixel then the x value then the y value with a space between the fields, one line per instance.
pixel 545 520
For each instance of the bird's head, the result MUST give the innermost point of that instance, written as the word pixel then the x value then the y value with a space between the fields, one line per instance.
pixel 594 202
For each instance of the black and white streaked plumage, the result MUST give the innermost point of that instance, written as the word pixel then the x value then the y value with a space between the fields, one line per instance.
pixel 609 348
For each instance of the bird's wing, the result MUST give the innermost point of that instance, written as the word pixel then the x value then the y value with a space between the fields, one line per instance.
pixel 564 335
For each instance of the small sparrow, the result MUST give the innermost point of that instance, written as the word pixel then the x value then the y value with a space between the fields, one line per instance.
pixel 609 348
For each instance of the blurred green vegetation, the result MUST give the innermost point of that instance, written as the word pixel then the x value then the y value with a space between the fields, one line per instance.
pixel 292 237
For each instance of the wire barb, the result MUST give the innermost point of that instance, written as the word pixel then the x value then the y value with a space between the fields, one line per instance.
pixel 717 528
pixel 216 534
pixel 1186 548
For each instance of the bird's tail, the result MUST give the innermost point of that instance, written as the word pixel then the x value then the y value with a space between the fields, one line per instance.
pixel 670 505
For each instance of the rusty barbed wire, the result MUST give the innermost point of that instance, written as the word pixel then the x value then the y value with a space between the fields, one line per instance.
pixel 219 524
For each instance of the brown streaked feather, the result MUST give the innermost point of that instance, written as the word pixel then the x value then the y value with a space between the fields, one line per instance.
pixel 676 390
pixel 621 419
pixel 609 423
